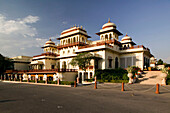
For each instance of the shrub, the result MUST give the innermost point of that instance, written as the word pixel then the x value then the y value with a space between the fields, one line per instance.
pixel 119 81
pixel 41 81
pixel 66 83
pixel 32 81
pixel 111 74
pixel 52 82
pixel 89 80
pixel 168 78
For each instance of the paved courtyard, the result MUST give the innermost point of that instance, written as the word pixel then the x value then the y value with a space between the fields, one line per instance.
pixel 28 98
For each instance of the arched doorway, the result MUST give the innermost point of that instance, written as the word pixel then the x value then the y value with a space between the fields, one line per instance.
pixel 64 65
pixel 116 63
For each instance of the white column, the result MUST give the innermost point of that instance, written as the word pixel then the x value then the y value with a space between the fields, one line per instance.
pixel 44 77
pixel 54 77
pixel 78 38
pixel 82 76
pixel 78 74
pixel 88 75
pixel 36 76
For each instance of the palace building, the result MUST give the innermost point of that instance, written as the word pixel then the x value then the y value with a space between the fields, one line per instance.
pixel 110 52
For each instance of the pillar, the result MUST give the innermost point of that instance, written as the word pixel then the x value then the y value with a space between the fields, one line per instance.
pixel 88 75
pixel 77 80
pixel 4 77
pixel 15 76
pixel 82 76
pixel 78 75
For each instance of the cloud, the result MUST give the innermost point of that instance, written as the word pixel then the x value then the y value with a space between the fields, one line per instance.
pixel 41 41
pixel 64 22
pixel 30 19
pixel 18 26
pixel 167 60
pixel 17 36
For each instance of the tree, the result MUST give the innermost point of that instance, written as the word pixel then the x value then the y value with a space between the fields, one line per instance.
pixel 160 62
pixel 5 64
pixel 82 60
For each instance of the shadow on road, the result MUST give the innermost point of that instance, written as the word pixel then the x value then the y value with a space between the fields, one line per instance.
pixel 2 101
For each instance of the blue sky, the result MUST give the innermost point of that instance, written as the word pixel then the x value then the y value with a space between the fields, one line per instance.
pixel 25 25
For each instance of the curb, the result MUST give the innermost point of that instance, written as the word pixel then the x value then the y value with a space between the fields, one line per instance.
pixel 38 84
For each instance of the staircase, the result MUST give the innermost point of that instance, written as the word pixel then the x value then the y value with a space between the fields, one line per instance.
pixel 150 77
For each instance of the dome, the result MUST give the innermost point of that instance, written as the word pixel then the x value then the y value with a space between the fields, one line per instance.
pixel 109 24
pixel 50 42
pixel 126 38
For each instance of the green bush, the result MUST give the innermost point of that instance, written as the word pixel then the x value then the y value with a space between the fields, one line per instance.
pixel 41 81
pixel 32 81
pixel 168 78
pixel 119 81
pixel 24 80
pixel 66 83
pixel 52 82
pixel 111 74
pixel 89 80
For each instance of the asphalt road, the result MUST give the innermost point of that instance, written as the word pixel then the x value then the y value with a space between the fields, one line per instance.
pixel 27 98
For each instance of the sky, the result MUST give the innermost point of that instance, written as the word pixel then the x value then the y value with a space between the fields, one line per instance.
pixel 25 25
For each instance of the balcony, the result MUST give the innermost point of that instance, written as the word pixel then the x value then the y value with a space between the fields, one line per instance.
pixel 135 47
pixel 108 42
pixel 40 70
pixel 56 70
pixel 71 44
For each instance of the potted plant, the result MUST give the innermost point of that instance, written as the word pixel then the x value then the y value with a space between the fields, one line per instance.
pixel 130 75
pixel 139 72
pixel 137 75
pixel 164 75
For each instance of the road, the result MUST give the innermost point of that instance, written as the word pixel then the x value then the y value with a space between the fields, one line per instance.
pixel 28 98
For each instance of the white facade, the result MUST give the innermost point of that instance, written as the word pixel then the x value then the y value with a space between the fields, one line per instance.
pixel 112 53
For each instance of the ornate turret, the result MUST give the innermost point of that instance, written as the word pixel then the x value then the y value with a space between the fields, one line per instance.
pixel 109 31
pixel 127 41
pixel 49 46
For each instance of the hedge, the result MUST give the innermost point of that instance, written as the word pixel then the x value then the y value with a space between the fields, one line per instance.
pixel 168 78
pixel 113 75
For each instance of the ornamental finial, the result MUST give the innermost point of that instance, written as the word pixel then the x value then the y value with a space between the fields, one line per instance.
pixel 126 34
pixel 109 20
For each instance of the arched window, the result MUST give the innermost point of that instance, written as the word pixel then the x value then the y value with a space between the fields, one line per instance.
pixel 91 74
pixel 68 41
pixel 110 61
pixel 102 37
pixel 64 65
pixel 73 50
pixel 106 37
pixel 110 36
pixel 116 62
pixel 82 39
pixel 63 42
pixel 74 40
pixel 58 65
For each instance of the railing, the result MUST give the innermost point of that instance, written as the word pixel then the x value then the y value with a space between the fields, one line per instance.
pixel 47 54
pixel 102 43
pixel 134 47
pixel 42 70
pixel 58 70
pixel 71 44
